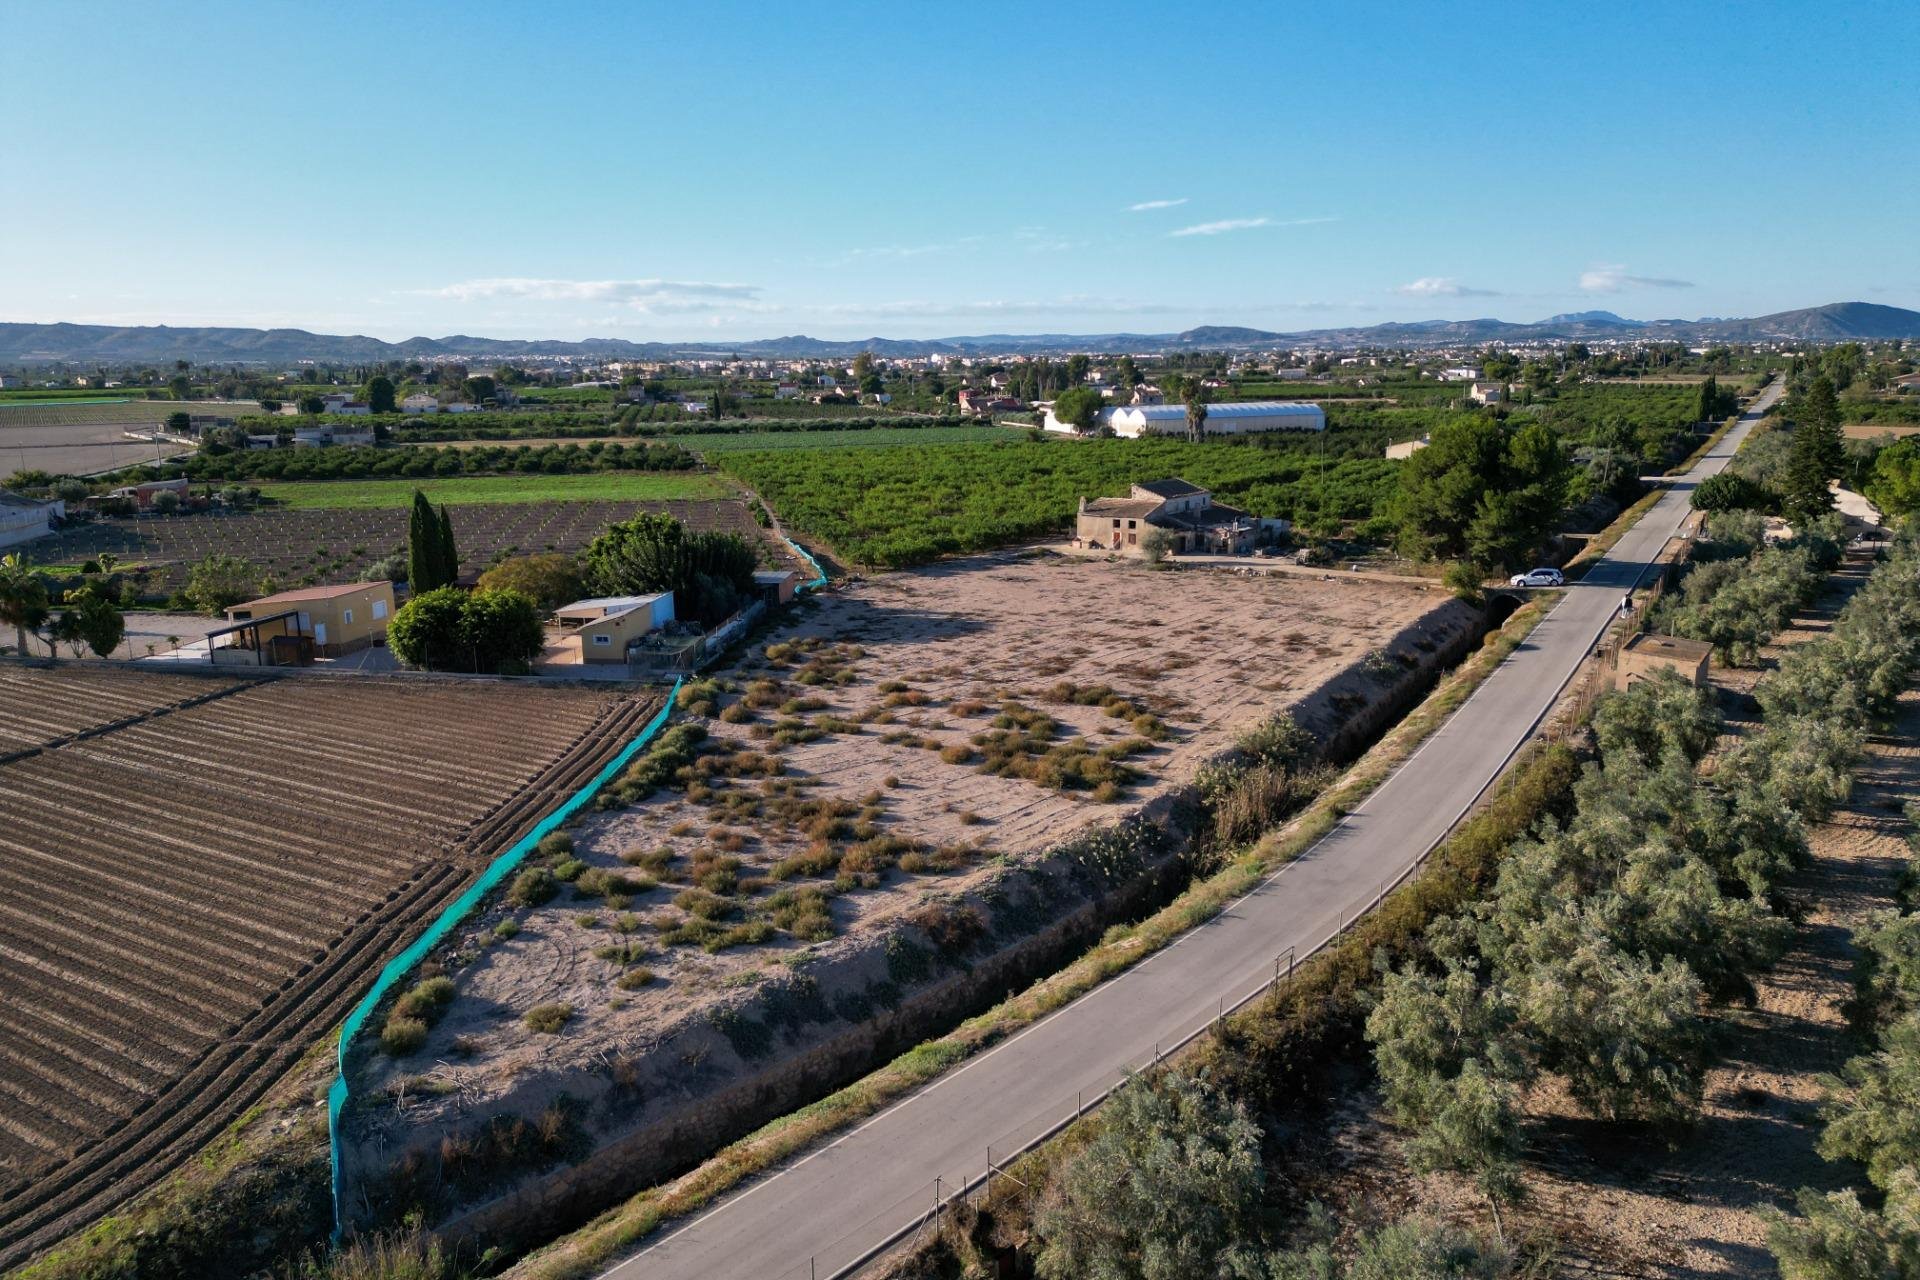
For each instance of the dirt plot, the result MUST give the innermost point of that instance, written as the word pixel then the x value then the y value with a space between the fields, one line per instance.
pixel 912 733
pixel 313 547
pixel 81 438
pixel 192 891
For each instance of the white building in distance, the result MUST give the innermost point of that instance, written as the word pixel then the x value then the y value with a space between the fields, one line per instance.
pixel 1130 422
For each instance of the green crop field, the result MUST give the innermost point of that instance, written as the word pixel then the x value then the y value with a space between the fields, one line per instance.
pixel 640 486
pixel 764 441
pixel 900 505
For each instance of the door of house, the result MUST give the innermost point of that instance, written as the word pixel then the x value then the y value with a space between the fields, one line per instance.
pixel 319 633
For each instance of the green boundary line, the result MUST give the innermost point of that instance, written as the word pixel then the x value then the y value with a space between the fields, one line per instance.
pixel 398 967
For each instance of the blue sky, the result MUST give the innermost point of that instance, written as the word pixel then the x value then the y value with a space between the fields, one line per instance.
pixel 727 169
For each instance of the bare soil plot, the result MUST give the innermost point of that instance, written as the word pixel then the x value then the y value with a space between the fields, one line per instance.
pixel 82 438
pixel 1875 430
pixel 314 547
pixel 189 896
pixel 885 743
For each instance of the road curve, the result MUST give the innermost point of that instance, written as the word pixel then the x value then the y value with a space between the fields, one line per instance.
pixel 830 1211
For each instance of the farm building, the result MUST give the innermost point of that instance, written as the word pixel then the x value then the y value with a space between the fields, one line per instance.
pixel 1487 392
pixel 23 519
pixel 321 437
pixel 1133 421
pixel 339 620
pixel 142 495
pixel 599 630
pixel 776 586
pixel 1186 512
pixel 419 403
pixel 1646 655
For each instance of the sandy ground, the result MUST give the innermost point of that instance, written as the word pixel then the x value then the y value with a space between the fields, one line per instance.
pixel 1209 653
pixel 1627 1206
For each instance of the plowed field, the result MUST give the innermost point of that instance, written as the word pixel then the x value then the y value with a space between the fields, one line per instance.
pixel 196 876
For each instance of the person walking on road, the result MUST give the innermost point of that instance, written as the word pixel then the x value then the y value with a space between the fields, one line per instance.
pixel 1626 605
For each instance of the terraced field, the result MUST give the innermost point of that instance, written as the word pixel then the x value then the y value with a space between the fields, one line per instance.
pixel 315 547
pixel 196 876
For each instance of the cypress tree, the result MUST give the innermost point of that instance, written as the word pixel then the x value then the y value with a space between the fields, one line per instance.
pixel 423 546
pixel 1818 452
pixel 449 556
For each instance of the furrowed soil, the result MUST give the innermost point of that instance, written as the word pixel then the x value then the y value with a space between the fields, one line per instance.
pixel 198 874
pixel 1626 1205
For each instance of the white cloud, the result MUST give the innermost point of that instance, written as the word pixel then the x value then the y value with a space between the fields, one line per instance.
pixel 1613 279
pixel 1442 287
pixel 1245 224
pixel 1145 205
pixel 649 297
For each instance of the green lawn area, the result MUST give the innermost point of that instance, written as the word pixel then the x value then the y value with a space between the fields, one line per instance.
pixel 648 486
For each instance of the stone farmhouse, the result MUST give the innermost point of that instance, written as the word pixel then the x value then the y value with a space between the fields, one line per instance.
pixel 1194 521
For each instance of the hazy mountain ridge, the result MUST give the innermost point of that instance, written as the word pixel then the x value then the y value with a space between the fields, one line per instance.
pixel 109 344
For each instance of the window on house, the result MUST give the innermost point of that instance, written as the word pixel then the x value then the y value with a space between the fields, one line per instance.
pixel 1132 524
pixel 603 639
pixel 346 617
pixel 379 610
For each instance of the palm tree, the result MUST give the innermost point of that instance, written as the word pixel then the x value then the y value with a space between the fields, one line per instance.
pixel 1196 398
pixel 23 599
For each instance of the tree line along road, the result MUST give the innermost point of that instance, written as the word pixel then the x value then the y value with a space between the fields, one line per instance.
pixel 829 1212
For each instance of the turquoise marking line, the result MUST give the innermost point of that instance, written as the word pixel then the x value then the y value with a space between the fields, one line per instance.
pixel 819 574
pixel 397 968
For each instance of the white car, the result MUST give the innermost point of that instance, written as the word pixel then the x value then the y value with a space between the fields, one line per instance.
pixel 1538 578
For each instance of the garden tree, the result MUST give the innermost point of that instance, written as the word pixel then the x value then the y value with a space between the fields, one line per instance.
pixel 1077 366
pixel 479 389
pixel 90 620
pixel 221 581
pixel 269 405
pixel 1126 375
pixel 1449 1068
pixel 1895 483
pixel 179 422
pixel 1194 396
pixel 166 502
pixel 23 600
pixel 1715 404
pixel 378 393
pixel 1818 454
pixel 1155 545
pixel 447 629
pixel 180 386
pixel 550 580
pixel 1079 407
pixel 1728 491
pixel 710 573
pixel 1481 492
pixel 311 404
pixel 1169 1189
pixel 432 560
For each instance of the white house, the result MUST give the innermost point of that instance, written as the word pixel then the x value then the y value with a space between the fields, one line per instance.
pixel 22 519
pixel 1243 418
pixel 1460 373
pixel 418 403
pixel 1486 393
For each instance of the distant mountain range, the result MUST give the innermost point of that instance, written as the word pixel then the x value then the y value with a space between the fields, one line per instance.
pixel 34 344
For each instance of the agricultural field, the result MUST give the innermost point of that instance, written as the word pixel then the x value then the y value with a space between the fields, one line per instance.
pixel 851 438
pixel 191 894
pixel 898 505
pixel 910 735
pixel 635 486
pixel 81 436
pixel 314 546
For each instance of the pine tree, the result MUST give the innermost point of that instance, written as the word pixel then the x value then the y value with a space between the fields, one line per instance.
pixel 1818 452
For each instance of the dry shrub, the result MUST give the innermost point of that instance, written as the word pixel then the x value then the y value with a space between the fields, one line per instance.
pixel 547 1019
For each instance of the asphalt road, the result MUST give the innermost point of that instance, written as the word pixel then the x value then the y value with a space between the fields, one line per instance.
pixel 824 1214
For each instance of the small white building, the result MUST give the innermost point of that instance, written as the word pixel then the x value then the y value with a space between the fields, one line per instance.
pixel 601 629
pixel 462 407
pixel 321 437
pixel 419 403
pixel 1487 393
pixel 22 519
pixel 1460 373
